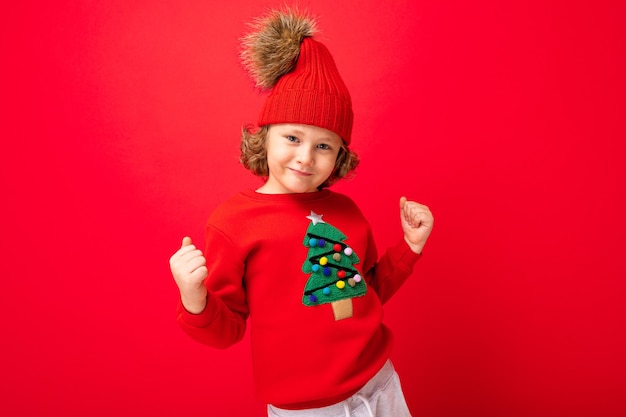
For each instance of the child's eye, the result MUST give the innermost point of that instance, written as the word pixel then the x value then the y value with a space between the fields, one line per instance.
pixel 291 138
pixel 323 146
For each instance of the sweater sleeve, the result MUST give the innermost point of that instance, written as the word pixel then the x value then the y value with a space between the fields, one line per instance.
pixel 392 269
pixel 223 322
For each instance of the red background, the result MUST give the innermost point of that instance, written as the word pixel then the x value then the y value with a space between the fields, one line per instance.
pixel 120 133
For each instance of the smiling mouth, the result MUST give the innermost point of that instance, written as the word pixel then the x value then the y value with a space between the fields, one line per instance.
pixel 302 173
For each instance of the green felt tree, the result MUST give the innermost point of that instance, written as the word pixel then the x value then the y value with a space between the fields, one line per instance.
pixel 330 262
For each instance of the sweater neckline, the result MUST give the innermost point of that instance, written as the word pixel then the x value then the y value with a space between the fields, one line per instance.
pixel 286 198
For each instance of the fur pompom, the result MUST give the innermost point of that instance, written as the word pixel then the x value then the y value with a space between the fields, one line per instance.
pixel 271 49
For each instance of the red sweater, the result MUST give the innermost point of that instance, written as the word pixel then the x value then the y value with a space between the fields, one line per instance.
pixel 302 356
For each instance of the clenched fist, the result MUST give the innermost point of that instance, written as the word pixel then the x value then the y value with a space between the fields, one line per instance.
pixel 189 269
pixel 417 223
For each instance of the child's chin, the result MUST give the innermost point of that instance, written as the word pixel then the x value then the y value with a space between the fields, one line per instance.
pixel 301 190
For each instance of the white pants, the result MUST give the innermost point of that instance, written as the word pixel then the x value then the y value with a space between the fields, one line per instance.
pixel 381 397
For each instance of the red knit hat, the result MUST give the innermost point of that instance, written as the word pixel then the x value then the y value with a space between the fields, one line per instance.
pixel 306 87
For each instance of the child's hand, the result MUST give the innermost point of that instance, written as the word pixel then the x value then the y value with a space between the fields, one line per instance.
pixel 417 223
pixel 189 269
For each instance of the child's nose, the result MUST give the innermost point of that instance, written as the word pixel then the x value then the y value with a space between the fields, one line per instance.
pixel 305 155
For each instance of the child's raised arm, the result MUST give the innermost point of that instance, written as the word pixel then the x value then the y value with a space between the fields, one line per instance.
pixel 189 269
pixel 417 223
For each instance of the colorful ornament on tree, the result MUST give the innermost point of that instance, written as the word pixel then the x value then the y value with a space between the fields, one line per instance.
pixel 331 263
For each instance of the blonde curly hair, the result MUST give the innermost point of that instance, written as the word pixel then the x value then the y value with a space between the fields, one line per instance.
pixel 253 156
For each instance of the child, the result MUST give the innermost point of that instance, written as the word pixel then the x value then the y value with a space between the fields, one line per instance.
pixel 296 258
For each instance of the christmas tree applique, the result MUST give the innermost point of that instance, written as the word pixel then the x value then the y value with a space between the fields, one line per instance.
pixel 330 262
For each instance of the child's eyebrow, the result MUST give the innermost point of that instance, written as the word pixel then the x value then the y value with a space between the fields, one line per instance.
pixel 294 131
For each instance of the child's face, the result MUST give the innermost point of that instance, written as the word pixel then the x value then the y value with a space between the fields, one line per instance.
pixel 299 157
